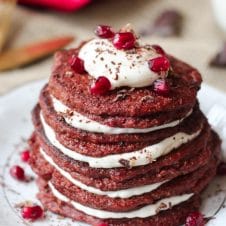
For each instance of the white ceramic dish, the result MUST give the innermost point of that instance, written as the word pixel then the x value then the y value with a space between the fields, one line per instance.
pixel 15 128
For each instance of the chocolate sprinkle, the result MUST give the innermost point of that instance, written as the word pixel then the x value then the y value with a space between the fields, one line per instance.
pixel 147 99
pixel 125 163
pixel 161 207
pixel 120 96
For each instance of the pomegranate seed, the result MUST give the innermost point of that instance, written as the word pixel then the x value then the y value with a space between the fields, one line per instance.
pixel 158 49
pixel 104 31
pixel 25 155
pixel 32 212
pixel 77 64
pixel 195 219
pixel 101 86
pixel 159 64
pixel 221 169
pixel 17 172
pixel 124 40
pixel 161 87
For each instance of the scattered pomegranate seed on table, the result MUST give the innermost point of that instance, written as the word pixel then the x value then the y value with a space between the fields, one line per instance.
pixel 159 64
pixel 161 87
pixel 221 169
pixel 32 212
pixel 104 31
pixel 25 156
pixel 195 219
pixel 17 172
pixel 124 40
pixel 158 49
pixel 101 86
pixel 77 64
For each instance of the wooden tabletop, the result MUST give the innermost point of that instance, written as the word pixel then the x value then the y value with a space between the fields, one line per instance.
pixel 199 41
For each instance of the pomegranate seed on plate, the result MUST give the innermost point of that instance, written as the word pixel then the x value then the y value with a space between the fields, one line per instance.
pixel 101 86
pixel 32 212
pixel 104 31
pixel 17 172
pixel 161 87
pixel 159 64
pixel 124 40
pixel 195 219
pixel 77 64
pixel 25 155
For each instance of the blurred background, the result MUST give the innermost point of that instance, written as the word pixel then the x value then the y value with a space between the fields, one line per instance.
pixel 193 30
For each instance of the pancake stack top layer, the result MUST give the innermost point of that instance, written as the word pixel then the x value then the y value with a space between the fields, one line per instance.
pixel 119 137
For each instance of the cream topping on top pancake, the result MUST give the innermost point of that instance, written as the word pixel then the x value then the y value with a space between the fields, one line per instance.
pixel 122 68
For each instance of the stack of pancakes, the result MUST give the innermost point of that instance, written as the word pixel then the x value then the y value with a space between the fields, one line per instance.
pixel 131 157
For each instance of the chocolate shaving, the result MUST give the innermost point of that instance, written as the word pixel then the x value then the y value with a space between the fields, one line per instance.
pixel 133 161
pixel 134 158
pixel 220 59
pixel 125 163
pixel 131 51
pixel 29 179
pixel 60 118
pixel 120 96
pixel 161 207
pixel 116 76
pixel 69 112
pixel 147 99
pixel 168 23
pixel 122 91
pixel 65 114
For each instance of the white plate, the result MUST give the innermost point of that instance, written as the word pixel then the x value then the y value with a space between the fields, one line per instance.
pixel 16 127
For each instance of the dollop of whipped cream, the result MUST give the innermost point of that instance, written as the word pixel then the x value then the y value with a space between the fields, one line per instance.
pixel 122 68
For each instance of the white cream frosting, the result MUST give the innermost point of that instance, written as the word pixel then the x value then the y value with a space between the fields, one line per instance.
pixel 135 158
pixel 146 211
pixel 125 193
pixel 79 121
pixel 122 68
